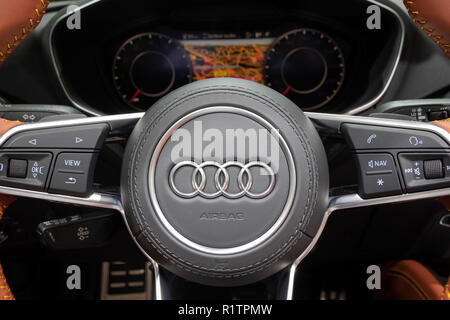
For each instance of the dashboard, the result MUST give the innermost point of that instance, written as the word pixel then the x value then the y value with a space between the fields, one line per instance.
pixel 319 54
pixel 304 64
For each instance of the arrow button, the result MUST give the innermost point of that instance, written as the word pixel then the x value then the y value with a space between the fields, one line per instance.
pixel 77 137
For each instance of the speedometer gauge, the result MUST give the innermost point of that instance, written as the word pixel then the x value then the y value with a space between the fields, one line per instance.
pixel 305 65
pixel 147 66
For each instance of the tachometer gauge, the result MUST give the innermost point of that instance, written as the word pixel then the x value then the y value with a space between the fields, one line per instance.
pixel 305 65
pixel 147 66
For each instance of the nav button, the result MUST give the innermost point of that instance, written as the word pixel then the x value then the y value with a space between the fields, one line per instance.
pixel 376 163
pixel 377 175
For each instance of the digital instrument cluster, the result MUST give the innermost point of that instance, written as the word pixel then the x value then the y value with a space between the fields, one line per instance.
pixel 305 65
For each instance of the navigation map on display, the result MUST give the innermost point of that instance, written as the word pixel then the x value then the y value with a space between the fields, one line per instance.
pixel 237 61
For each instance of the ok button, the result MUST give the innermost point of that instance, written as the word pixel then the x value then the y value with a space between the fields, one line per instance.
pixel 376 163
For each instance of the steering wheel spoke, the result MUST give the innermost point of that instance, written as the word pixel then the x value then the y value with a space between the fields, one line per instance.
pixel 392 157
pixel 413 154
pixel 56 160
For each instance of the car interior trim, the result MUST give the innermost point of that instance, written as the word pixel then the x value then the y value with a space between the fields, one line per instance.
pixel 399 50
pixel 84 108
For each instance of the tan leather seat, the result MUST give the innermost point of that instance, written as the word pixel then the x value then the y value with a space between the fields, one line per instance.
pixel 410 280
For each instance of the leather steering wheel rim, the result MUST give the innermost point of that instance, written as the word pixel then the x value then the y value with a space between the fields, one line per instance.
pixel 18 19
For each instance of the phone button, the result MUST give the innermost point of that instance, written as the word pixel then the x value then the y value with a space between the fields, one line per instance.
pixel 362 137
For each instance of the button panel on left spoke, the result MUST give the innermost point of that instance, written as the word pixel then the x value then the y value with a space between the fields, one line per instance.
pixel 59 160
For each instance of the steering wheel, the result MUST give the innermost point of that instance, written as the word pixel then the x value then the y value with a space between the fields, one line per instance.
pixel 224 182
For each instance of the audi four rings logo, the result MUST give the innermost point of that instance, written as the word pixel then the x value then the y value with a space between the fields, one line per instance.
pixel 222 179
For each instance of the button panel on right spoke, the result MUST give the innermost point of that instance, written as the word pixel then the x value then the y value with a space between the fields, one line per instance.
pixel 393 161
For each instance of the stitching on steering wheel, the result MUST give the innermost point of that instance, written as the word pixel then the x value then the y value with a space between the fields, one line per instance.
pixel 26 30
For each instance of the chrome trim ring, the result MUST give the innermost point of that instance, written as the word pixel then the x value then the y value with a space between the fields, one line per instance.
pixel 270 172
pixel 221 187
pixel 292 183
pixel 199 186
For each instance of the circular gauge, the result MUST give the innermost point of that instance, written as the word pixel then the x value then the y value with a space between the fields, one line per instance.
pixel 147 66
pixel 305 65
